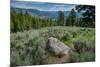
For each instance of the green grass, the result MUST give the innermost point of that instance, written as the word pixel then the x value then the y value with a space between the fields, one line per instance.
pixel 81 40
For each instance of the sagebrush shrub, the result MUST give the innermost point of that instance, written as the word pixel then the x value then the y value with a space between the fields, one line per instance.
pixel 28 47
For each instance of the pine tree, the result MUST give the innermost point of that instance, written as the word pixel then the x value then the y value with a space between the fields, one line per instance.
pixel 88 15
pixel 71 19
pixel 61 18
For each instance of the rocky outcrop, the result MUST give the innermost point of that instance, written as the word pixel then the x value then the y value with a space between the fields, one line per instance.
pixel 57 47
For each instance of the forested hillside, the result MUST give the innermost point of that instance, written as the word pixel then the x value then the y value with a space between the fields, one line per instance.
pixel 24 21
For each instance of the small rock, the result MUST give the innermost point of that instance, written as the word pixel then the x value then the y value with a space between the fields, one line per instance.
pixel 57 47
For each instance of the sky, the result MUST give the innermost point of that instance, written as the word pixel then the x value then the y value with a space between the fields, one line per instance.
pixel 42 6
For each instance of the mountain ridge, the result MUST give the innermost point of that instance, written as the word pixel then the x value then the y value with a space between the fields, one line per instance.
pixel 36 12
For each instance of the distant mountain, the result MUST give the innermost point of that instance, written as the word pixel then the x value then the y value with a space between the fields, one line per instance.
pixel 45 14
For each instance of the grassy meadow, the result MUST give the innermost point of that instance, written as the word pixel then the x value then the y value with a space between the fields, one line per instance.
pixel 23 44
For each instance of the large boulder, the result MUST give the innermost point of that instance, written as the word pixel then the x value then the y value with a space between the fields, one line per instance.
pixel 57 47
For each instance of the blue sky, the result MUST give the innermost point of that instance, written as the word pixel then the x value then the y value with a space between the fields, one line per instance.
pixel 43 6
